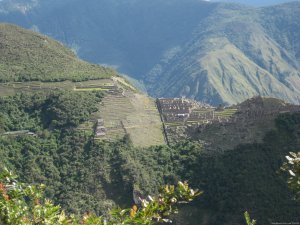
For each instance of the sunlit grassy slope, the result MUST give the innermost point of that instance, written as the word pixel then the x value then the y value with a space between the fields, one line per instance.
pixel 29 56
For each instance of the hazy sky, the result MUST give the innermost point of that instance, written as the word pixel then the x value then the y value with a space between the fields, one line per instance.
pixel 256 2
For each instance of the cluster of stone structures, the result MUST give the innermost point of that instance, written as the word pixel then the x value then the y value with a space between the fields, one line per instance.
pixel 180 115
pixel 174 109
pixel 100 130
pixel 183 118
pixel 183 111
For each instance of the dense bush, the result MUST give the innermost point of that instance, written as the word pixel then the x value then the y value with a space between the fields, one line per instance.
pixel 292 166
pixel 86 175
pixel 57 109
pixel 24 205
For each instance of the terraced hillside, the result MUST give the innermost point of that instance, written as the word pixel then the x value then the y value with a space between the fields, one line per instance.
pixel 123 109
pixel 180 115
pixel 129 112
pixel 245 123
pixel 10 88
pixel 221 128
pixel 32 62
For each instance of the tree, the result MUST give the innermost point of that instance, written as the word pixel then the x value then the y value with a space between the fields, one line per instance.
pixel 248 219
pixel 22 204
pixel 292 166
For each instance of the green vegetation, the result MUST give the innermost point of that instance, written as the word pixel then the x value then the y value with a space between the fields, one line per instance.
pixel 292 166
pixel 34 112
pixel 28 56
pixel 82 174
pixel 63 157
pixel 70 109
pixel 246 178
pixel 248 219
pixel 25 205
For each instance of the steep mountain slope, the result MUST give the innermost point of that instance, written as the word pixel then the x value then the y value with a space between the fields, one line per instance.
pixel 252 119
pixel 232 57
pixel 213 52
pixel 130 35
pixel 48 134
pixel 30 62
pixel 26 55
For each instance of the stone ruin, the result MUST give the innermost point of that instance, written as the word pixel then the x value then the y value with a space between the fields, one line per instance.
pixel 181 116
pixel 100 130
pixel 177 109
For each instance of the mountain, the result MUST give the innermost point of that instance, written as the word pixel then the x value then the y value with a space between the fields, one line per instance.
pixel 95 143
pixel 31 62
pixel 230 59
pixel 26 56
pixel 213 52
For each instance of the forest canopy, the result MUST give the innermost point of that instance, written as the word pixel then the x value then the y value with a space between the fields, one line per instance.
pixel 82 174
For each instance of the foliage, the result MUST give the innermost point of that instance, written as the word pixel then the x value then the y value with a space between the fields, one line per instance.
pixel 69 109
pixel 292 166
pixel 245 178
pixel 83 175
pixel 40 110
pixel 24 205
pixel 20 112
pixel 248 219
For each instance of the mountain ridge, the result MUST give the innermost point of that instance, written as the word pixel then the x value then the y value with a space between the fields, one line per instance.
pixel 28 56
pixel 247 50
pixel 221 53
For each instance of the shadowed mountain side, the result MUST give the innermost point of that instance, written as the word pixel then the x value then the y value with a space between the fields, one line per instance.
pixel 130 35
pixel 224 75
pixel 229 59
pixel 213 52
